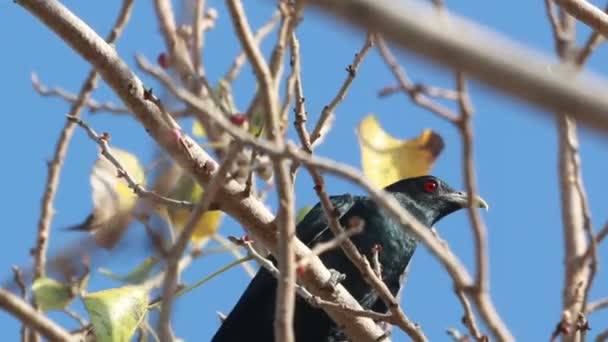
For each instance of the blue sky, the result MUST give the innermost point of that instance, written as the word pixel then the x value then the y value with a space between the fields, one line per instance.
pixel 515 153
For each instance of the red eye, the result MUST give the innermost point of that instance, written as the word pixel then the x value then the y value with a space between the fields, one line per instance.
pixel 430 186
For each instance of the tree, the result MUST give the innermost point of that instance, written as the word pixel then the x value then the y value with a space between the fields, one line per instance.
pixel 231 159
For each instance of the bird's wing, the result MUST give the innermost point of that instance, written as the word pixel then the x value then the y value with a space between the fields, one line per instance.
pixel 252 315
pixel 314 224
pixel 255 309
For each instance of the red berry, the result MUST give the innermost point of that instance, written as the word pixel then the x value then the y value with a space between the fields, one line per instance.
pixel 300 269
pixel 163 60
pixel 238 119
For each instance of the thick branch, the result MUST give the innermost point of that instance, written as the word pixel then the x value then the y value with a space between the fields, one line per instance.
pixel 587 13
pixel 35 320
pixel 481 54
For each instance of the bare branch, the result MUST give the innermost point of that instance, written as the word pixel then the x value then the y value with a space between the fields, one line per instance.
pixel 597 305
pixel 170 282
pixel 587 13
pixel 469 317
pixel 91 104
pixel 481 287
pixel 351 72
pixel 285 303
pixel 481 54
pixel 258 37
pixel 18 278
pixel 55 165
pixel 409 88
pixel 35 320
pixel 323 247
pixel 137 188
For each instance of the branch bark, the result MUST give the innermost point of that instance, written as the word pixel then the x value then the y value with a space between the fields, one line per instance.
pixel 462 45
pixel 35 320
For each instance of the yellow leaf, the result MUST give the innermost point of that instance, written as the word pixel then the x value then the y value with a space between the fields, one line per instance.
pixel 386 159
pixel 187 189
pixel 198 130
pixel 116 313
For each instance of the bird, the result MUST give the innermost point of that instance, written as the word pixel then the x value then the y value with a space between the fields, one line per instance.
pixel 427 198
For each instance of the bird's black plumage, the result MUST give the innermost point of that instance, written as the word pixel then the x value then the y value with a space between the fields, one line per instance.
pixel 427 198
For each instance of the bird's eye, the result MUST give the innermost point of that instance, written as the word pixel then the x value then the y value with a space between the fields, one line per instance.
pixel 430 186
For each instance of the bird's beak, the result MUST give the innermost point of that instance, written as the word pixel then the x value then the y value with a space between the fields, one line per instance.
pixel 463 199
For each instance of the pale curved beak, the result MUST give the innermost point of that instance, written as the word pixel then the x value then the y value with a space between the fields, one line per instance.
pixel 462 199
pixel 481 203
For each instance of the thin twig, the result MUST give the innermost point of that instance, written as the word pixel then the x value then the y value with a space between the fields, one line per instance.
pixel 325 246
pixel 597 305
pixel 55 165
pixel 465 126
pixel 235 252
pixel 176 46
pixel 351 72
pixel 258 37
pixel 300 108
pixel 447 94
pixel 314 300
pixel 92 105
pixel 469 317
pixel 198 34
pixel 74 315
pixel 170 282
pixel 18 277
pixel 285 303
pixel 137 188
pixel 323 124
pixel 409 88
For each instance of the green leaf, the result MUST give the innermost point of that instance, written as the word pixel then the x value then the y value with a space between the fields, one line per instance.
pixel 302 212
pixel 51 294
pixel 256 124
pixel 137 275
pixel 116 313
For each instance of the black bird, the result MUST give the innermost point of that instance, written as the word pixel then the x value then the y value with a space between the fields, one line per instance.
pixel 426 197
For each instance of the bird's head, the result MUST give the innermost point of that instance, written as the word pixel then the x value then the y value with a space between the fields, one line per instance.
pixel 430 199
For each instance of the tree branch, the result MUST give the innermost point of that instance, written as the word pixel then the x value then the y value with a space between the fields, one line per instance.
pixel 35 320
pixel 481 54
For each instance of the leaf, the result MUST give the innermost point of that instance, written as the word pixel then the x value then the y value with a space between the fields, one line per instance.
pixel 302 212
pixel 116 313
pixel 137 275
pixel 386 159
pixel 256 124
pixel 113 200
pixel 198 130
pixel 188 190
pixel 51 294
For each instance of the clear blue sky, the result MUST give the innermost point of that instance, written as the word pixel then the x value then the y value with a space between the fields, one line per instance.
pixel 515 154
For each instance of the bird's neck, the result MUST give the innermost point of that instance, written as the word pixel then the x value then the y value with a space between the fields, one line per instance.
pixel 423 216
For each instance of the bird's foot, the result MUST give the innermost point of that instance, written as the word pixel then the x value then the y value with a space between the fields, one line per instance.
pixel 335 278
